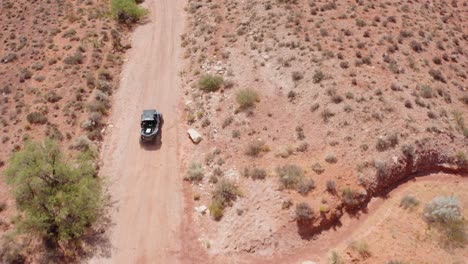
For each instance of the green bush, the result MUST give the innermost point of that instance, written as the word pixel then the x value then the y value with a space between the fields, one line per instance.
pixel 246 98
pixel 58 200
pixel 210 83
pixel 127 11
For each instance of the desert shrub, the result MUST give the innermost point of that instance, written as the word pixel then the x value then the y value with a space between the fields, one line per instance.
pixel 327 114
pixel 302 147
pixel 304 212
pixel 254 148
pixel 216 209
pixel 416 46
pixel 408 151
pixel 305 186
pixel 408 202
pixel 331 186
pixel 389 141
pixel 464 99
pixel 83 143
pixel 317 168
pixel 235 134
pixel 210 83
pixel 246 98
pixel 426 91
pixel 331 158
pixel 445 214
pixel 349 197
pixel 314 107
pixel 11 252
pixel 290 176
pixel 318 76
pixel 97 106
pixel 36 118
pixel 362 248
pixel 74 59
pixel 437 75
pixel 127 11
pixel 335 258
pixel 58 200
pixel 297 76
pixel 443 209
pixel 52 97
pixel 360 22
pixel 195 172
pixel 255 173
pixel 226 192
pixel 227 121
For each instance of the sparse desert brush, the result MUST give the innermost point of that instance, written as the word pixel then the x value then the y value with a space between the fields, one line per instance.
pixel 74 59
pixel 246 98
pixel 36 118
pixel 331 158
pixel 255 148
pixel 389 141
pixel 318 76
pixel 210 83
pixel 335 258
pixel 290 175
pixel 362 248
pixel 349 197
pixel 331 186
pixel 327 114
pixel 226 191
pixel 195 172
pixel 224 194
pixel 127 11
pixel 305 186
pixel 304 212
pixel 409 202
pixel 216 208
pixel 254 173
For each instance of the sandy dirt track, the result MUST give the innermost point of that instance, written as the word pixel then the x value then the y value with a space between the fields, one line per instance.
pixel 144 180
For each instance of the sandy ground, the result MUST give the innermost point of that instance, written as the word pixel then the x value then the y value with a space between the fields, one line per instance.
pixel 144 180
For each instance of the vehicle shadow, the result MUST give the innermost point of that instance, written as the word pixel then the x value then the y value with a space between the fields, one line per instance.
pixel 156 144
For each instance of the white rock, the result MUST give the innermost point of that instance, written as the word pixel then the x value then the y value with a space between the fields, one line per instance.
pixel 201 209
pixel 308 262
pixel 194 135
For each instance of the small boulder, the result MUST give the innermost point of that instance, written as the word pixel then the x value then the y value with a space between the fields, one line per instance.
pixel 201 209
pixel 194 135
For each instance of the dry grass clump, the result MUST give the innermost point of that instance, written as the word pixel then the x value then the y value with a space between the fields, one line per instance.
pixel 210 83
pixel 246 98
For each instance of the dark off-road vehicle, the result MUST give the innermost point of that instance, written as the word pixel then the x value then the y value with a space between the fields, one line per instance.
pixel 150 124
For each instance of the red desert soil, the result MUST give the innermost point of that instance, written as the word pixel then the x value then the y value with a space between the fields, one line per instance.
pixel 145 181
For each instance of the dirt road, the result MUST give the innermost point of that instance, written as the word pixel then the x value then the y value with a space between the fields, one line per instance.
pixel 145 182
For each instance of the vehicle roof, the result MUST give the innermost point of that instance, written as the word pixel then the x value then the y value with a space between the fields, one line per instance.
pixel 148 115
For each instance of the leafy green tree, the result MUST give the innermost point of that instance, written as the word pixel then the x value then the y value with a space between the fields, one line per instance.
pixel 59 200
pixel 127 11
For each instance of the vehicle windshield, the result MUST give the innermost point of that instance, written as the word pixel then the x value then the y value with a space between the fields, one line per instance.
pixel 150 124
